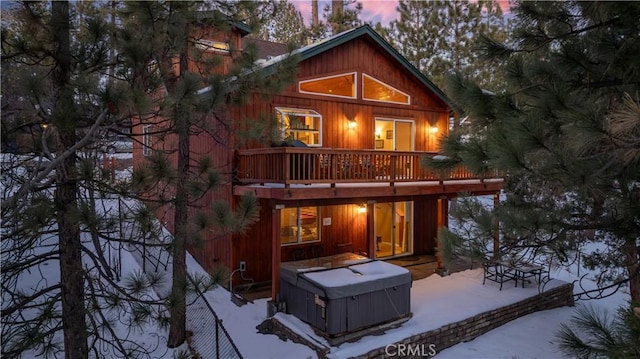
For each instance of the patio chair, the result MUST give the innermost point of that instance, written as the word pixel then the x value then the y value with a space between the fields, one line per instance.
pixel 496 272
pixel 528 265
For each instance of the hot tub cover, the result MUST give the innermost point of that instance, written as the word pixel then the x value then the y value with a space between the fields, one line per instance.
pixel 358 275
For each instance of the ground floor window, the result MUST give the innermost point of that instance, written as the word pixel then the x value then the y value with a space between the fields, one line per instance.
pixel 299 225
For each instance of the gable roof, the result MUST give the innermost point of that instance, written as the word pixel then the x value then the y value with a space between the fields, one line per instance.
pixel 204 15
pixel 266 49
pixel 346 36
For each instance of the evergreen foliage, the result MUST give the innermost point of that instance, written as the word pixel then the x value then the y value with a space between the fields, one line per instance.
pixel 76 76
pixel 442 37
pixel 340 17
pixel 63 293
pixel 592 334
pixel 564 132
pixel 285 25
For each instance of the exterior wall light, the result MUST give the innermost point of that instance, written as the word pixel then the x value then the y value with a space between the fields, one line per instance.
pixel 352 123
pixel 362 209
pixel 433 129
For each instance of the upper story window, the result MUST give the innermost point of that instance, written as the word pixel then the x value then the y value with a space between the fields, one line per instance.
pixel 146 140
pixel 343 85
pixel 299 225
pixel 210 45
pixel 375 90
pixel 298 124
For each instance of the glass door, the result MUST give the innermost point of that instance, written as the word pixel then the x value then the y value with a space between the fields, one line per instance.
pixel 393 223
pixel 396 135
pixel 393 134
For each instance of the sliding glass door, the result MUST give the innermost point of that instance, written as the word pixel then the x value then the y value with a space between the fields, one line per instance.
pixel 393 229
pixel 394 134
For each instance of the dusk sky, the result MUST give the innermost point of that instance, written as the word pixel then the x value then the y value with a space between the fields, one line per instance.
pixel 383 11
pixel 374 11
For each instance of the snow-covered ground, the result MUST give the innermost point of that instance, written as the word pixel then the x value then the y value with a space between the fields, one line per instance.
pixel 435 301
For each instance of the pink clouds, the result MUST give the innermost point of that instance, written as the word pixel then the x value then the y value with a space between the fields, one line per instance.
pixel 373 11
pixel 383 11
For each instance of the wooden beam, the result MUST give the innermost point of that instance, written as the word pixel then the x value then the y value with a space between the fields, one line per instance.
pixel 276 251
pixel 358 190
pixel 442 221
pixel 496 233
pixel 371 240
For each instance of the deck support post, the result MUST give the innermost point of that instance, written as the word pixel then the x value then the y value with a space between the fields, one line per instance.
pixel 496 232
pixel 276 251
pixel 442 221
pixel 371 241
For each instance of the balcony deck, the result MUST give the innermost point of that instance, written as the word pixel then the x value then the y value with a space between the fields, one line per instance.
pixel 300 173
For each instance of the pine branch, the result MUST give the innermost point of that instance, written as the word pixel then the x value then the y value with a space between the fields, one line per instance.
pixel 14 307
pixel 55 162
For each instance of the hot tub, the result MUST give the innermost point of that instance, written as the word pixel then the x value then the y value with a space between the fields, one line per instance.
pixel 345 293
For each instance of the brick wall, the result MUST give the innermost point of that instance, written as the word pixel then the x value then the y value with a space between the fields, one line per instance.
pixel 470 328
pixel 462 331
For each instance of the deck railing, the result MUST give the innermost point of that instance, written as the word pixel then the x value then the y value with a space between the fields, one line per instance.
pixel 299 165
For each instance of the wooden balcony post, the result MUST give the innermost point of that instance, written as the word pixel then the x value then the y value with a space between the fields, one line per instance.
pixel 276 251
pixel 394 169
pixel 287 169
pixel 371 241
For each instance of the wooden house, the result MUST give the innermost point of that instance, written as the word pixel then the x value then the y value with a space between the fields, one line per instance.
pixel 348 175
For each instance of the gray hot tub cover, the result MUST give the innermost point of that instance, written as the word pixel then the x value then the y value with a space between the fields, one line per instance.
pixel 364 277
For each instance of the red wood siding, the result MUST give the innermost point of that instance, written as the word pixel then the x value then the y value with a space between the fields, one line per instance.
pixel 362 57
pixel 206 32
pixel 349 230
pixel 425 225
pixel 347 233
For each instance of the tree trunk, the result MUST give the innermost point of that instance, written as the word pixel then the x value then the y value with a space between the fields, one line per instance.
pixel 71 271
pixel 336 16
pixel 633 269
pixel 314 13
pixel 177 328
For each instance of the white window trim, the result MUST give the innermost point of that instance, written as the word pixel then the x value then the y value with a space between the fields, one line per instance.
pixel 355 87
pixel 387 85
pixel 299 111
pixel 298 234
pixel 146 140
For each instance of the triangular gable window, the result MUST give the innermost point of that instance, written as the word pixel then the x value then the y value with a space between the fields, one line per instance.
pixel 375 90
pixel 340 86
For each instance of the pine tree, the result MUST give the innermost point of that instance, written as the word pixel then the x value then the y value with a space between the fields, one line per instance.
pixel 340 17
pixel 592 334
pixel 414 34
pixel 284 25
pixel 191 102
pixel 565 134
pixel 61 289
pixel 441 37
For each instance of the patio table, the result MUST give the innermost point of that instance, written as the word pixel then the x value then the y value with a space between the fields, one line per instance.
pixel 523 271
